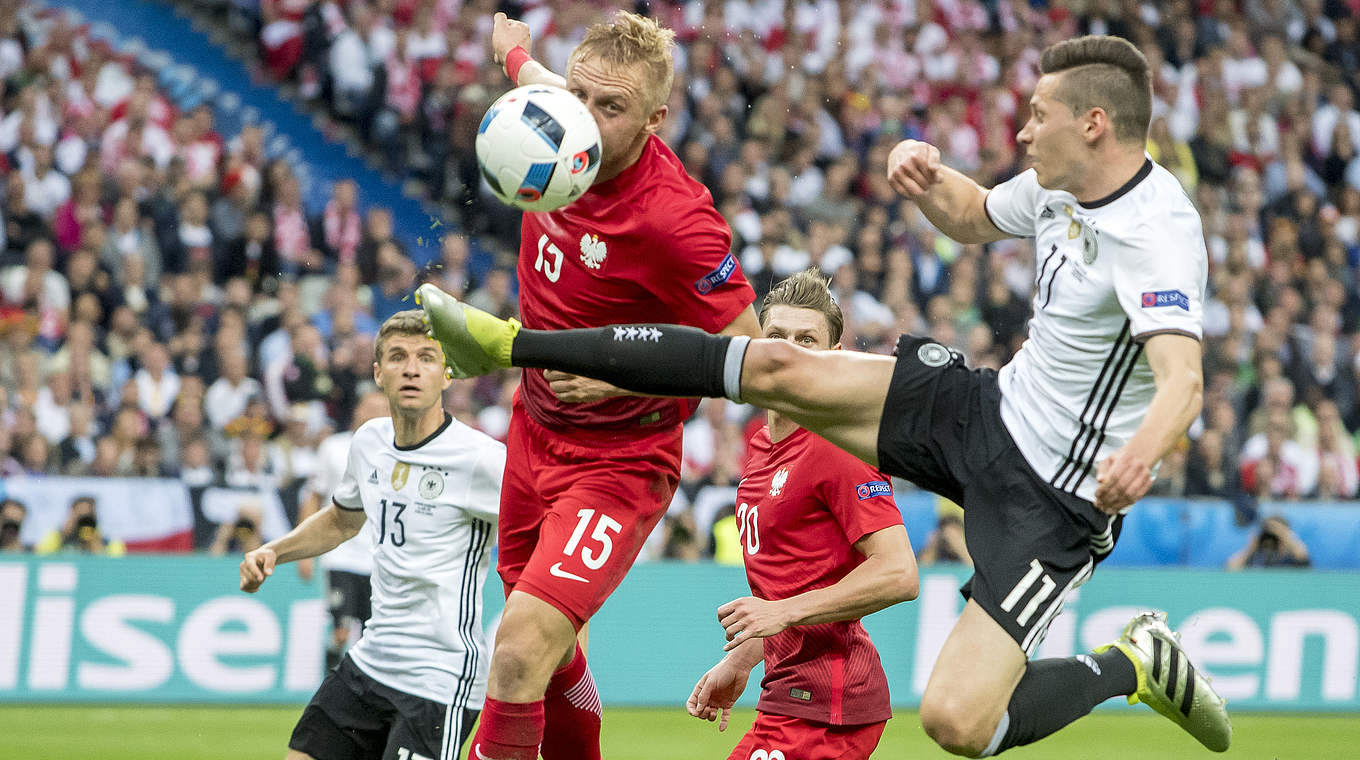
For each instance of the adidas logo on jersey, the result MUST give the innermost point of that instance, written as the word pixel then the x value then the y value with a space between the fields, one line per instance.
pixel 373 478
pixel 1047 213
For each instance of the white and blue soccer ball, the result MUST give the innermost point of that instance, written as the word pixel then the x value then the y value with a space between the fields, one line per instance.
pixel 538 148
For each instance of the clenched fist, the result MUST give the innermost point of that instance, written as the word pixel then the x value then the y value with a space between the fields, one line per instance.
pixel 507 34
pixel 913 168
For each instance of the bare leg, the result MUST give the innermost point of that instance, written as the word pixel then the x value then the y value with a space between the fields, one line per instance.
pixel 971 684
pixel 838 395
pixel 533 641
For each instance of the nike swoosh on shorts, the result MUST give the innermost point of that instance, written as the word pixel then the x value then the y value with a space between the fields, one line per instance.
pixel 560 573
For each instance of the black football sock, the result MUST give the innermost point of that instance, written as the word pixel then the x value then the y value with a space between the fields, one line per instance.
pixel 664 360
pixel 1057 691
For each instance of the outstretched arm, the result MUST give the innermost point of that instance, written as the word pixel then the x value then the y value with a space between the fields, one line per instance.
pixel 318 534
pixel 508 34
pixel 885 577
pixel 950 200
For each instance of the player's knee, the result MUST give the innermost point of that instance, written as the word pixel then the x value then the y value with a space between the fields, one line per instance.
pixel 528 649
pixel 953 726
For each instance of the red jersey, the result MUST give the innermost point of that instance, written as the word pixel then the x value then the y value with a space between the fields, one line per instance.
pixel 645 246
pixel 801 506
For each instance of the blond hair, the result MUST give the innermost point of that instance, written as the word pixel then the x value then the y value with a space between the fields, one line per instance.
pixel 631 40
pixel 409 322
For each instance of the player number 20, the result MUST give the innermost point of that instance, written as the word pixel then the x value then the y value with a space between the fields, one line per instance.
pixel 603 527
pixel 748 527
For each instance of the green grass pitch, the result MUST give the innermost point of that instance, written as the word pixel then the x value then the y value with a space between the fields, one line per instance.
pixel 67 732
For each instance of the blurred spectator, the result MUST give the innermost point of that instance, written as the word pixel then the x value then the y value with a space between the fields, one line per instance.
pixel 196 470
pixel 680 542
pixel 945 544
pixel 1211 469
pixel 75 452
pixel 249 466
pixel 147 460
pixel 1274 545
pixel 12 514
pixel 36 287
pixel 240 536
pixel 254 256
pixel 1338 476
pixel 1275 466
pixel 80 533
pixel 341 225
pixel 495 295
pixel 227 397
pixel 292 231
pixel 157 383
pixel 292 454
pixel 1173 472
pixel 45 188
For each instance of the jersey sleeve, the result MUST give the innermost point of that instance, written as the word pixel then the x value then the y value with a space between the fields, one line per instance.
pixel 859 496
pixel 483 497
pixel 695 274
pixel 1013 205
pixel 1160 276
pixel 346 495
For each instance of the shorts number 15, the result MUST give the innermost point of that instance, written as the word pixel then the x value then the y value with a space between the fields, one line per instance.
pixel 603 527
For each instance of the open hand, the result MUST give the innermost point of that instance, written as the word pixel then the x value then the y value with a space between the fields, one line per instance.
pixel 716 692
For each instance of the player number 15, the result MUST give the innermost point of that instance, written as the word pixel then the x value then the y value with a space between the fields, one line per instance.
pixel 603 527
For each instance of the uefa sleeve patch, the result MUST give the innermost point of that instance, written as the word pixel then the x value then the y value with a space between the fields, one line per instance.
pixel 1156 298
pixel 723 273
pixel 873 488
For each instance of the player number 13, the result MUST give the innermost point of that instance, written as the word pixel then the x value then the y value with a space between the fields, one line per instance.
pixel 603 527
pixel 550 269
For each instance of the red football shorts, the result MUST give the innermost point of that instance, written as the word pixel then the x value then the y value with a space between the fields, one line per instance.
pixel 576 512
pixel 779 737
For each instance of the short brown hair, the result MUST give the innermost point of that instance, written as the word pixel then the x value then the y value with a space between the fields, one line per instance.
pixel 409 322
pixel 1104 72
pixel 808 289
pixel 632 39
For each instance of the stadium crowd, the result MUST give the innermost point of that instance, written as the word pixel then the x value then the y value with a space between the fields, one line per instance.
pixel 169 307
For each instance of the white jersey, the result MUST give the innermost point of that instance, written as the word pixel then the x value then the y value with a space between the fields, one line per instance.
pixel 356 554
pixel 1109 275
pixel 434 509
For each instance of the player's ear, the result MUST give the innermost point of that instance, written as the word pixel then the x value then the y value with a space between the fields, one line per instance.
pixel 377 376
pixel 1095 123
pixel 656 119
pixel 836 347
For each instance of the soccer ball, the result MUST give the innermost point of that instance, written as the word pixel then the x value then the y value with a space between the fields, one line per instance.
pixel 538 148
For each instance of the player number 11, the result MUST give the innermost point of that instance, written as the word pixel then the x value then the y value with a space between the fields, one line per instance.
pixel 603 527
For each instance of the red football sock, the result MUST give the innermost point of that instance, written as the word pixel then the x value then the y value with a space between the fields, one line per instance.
pixel 509 731
pixel 571 729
